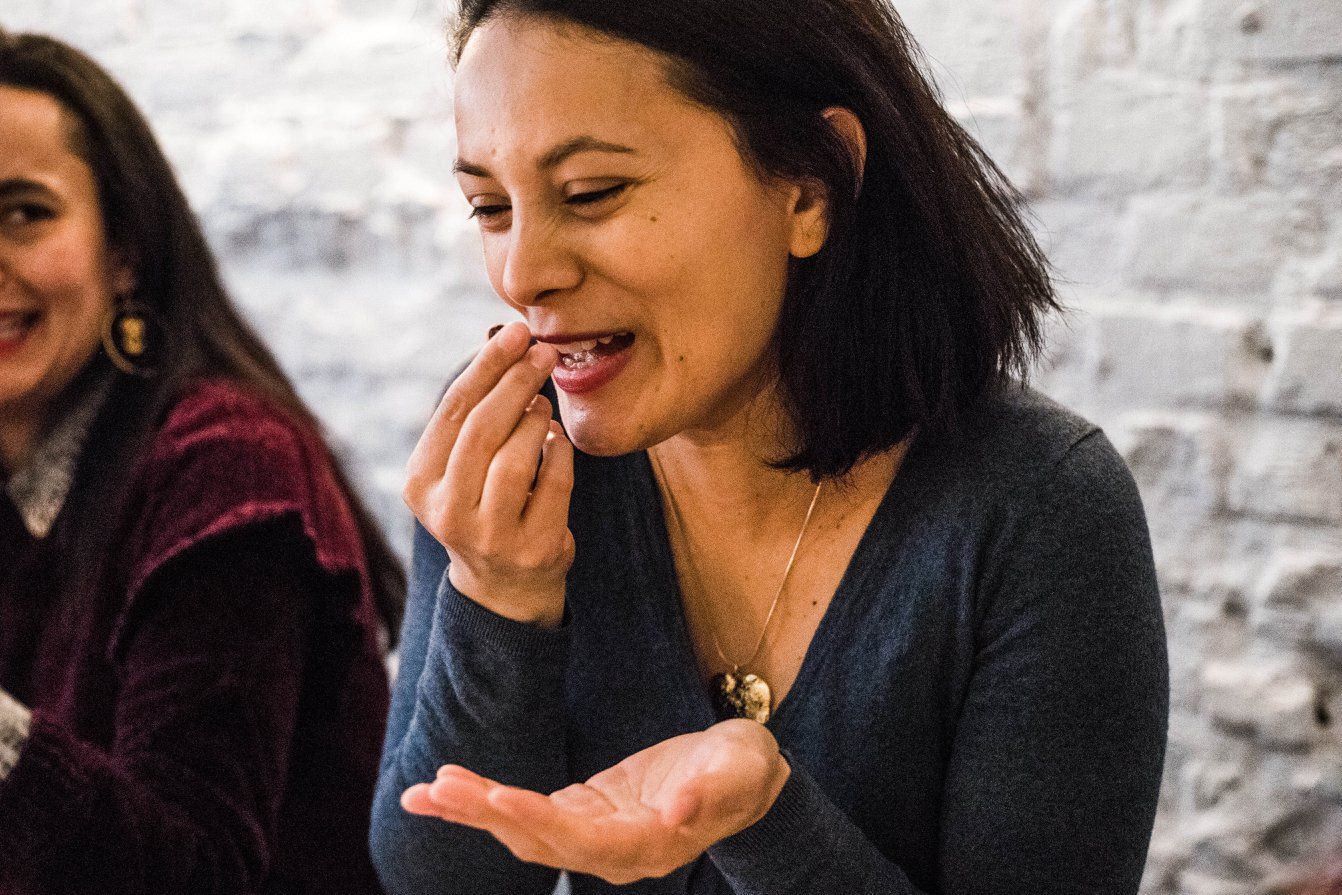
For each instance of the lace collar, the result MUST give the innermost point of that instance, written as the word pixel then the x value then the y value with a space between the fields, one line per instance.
pixel 39 490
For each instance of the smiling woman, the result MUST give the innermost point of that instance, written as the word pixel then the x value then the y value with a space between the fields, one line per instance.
pixel 760 571
pixel 192 686
pixel 67 278
pixel 675 243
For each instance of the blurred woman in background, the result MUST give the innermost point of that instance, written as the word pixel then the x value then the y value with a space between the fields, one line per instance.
pixel 192 684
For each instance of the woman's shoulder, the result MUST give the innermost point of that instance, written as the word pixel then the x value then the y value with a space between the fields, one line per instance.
pixel 220 410
pixel 226 458
pixel 1018 447
pixel 220 441
pixel 1029 491
pixel 1019 426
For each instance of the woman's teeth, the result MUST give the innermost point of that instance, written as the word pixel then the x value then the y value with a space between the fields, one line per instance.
pixel 578 359
pixel 585 345
pixel 577 347
pixel 575 355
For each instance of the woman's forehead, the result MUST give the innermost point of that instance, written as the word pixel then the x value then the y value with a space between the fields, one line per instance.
pixel 35 140
pixel 532 81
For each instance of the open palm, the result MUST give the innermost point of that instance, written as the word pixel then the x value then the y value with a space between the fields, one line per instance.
pixel 648 815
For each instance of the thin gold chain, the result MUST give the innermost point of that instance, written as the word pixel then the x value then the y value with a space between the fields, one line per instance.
pixel 689 559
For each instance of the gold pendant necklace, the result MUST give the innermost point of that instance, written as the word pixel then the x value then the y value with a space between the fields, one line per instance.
pixel 739 693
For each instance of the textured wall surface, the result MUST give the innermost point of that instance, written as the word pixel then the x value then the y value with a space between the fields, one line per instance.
pixel 1184 159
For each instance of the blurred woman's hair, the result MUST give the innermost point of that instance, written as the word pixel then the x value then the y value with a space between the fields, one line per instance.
pixel 930 289
pixel 150 224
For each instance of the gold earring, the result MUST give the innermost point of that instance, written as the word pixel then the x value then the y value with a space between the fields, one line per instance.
pixel 132 338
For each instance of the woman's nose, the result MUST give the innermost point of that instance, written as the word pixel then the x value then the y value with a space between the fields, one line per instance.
pixel 539 264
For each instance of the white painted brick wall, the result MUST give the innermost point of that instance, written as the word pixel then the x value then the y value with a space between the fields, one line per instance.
pixel 1184 158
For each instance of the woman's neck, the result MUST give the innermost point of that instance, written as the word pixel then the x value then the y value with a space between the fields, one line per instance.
pixel 724 473
pixel 25 421
pixel 723 479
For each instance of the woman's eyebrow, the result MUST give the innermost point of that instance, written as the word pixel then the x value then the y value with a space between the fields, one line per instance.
pixel 554 156
pixel 22 186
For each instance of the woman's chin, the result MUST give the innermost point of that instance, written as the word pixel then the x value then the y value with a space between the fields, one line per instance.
pixel 598 443
pixel 599 434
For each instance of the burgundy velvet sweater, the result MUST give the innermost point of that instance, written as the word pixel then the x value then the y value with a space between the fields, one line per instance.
pixel 209 717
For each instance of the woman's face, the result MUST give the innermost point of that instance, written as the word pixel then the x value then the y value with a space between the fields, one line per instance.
pixel 610 205
pixel 57 279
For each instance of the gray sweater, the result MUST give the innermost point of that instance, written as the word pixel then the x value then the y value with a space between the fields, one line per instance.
pixel 982 709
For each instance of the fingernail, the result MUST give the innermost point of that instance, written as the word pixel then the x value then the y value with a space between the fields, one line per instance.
pixel 494 331
pixel 542 359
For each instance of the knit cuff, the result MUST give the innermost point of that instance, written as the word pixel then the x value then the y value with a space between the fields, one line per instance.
pixel 464 619
pixel 797 830
pixel 787 821
pixel 15 720
pixel 45 805
pixel 489 676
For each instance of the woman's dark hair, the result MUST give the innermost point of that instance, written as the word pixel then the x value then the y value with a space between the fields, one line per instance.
pixel 930 289
pixel 149 222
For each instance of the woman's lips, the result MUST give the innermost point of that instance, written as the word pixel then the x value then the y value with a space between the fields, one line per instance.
pixel 587 364
pixel 15 328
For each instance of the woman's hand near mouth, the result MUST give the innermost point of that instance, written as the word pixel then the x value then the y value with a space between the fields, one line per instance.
pixel 473 482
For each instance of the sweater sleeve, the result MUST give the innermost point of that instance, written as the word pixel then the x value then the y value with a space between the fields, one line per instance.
pixel 184 799
pixel 481 691
pixel 1056 760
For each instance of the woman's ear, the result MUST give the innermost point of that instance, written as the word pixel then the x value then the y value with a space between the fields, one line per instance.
pixel 122 273
pixel 849 128
pixel 810 199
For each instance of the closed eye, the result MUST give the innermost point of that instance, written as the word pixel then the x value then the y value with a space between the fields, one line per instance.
pixel 25 213
pixel 595 196
pixel 488 212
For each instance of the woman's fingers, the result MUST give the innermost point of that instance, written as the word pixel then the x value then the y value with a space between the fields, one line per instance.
pixel 463 797
pixel 564 833
pixel 585 831
pixel 435 445
pixel 547 510
pixel 578 828
pixel 581 799
pixel 473 473
pixel 492 422
pixel 513 470
pixel 416 800
pixel 445 807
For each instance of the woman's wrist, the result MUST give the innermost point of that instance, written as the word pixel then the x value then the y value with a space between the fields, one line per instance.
pixel 528 608
pixel 15 722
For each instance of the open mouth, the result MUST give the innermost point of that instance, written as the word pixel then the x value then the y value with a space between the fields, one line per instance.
pixel 587 364
pixel 579 355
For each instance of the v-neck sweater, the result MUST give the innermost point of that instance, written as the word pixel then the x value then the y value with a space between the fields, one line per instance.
pixel 982 708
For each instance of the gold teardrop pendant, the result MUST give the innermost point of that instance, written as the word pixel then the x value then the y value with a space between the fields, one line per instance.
pixel 737 695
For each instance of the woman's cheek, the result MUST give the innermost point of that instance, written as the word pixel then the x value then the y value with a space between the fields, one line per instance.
pixel 495 256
